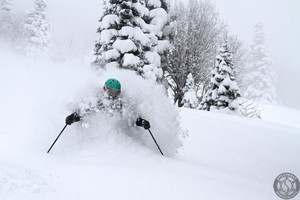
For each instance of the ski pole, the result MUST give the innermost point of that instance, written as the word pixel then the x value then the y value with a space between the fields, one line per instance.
pixel 155 142
pixel 57 138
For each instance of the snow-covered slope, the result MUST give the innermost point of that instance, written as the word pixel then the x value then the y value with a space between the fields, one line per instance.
pixel 224 157
pixel 240 157
pixel 280 114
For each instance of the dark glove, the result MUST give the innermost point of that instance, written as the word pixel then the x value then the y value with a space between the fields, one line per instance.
pixel 74 117
pixel 142 122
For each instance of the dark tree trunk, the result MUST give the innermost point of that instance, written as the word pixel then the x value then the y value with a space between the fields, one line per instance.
pixel 180 98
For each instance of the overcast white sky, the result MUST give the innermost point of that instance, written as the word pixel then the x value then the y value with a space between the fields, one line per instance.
pixel 281 19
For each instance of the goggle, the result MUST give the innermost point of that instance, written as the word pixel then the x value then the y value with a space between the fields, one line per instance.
pixel 112 92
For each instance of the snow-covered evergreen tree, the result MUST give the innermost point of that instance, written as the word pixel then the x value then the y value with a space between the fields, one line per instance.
pixel 5 19
pixel 190 99
pixel 260 75
pixel 5 5
pixel 129 34
pixel 36 30
pixel 223 91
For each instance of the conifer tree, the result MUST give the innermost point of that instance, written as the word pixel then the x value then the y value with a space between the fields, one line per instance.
pixel 5 5
pixel 260 75
pixel 223 92
pixel 128 38
pixel 5 19
pixel 190 99
pixel 36 30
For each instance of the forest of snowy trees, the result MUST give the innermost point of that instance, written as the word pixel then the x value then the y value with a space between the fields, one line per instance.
pixel 185 46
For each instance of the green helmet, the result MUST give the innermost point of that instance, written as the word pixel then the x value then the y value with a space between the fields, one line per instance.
pixel 113 84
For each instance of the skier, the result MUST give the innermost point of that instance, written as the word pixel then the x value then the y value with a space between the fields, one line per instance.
pixel 108 101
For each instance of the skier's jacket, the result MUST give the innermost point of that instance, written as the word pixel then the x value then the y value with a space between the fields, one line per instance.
pixel 103 103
